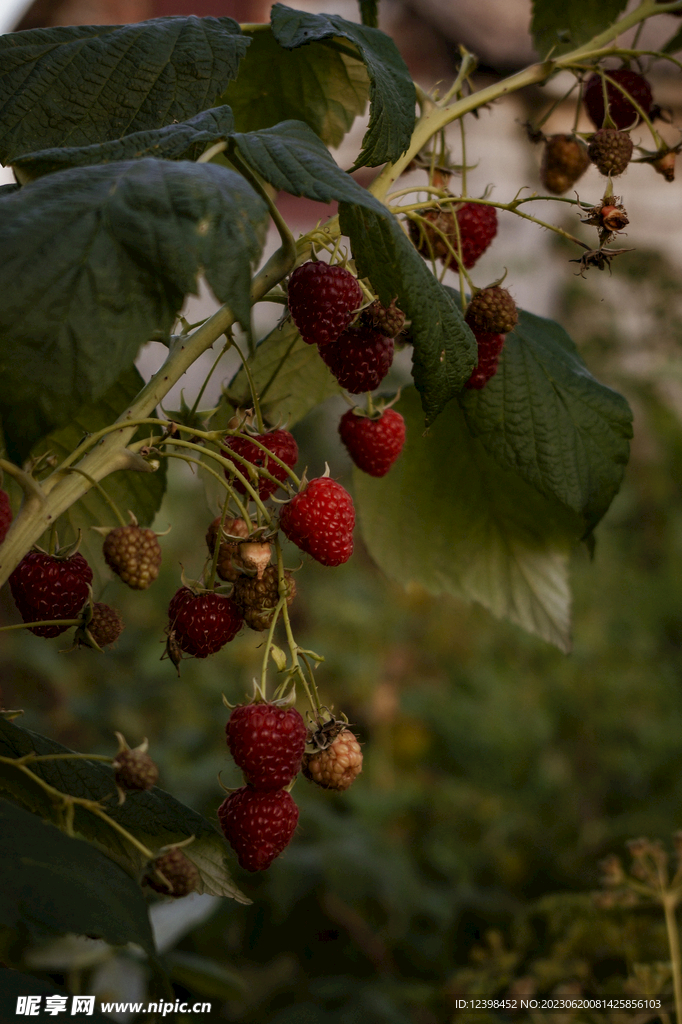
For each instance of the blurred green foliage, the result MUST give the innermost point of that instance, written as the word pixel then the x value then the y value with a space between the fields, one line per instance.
pixel 498 772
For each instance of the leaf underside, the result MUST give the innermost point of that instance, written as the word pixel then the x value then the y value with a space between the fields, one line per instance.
pixel 558 28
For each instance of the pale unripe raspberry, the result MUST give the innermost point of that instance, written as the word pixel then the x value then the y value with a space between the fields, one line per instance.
pixel 134 554
pixel 338 766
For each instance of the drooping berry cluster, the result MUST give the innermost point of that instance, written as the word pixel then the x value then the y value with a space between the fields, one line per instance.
pixel 279 443
pixel 267 742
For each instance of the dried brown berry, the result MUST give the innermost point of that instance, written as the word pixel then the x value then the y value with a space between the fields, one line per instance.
pixel 173 874
pixel 492 311
pixel 106 625
pixel 564 160
pixel 134 554
pixel 257 599
pixel 610 151
pixel 338 765
pixel 134 770
pixel 665 164
pixel 387 320
pixel 230 565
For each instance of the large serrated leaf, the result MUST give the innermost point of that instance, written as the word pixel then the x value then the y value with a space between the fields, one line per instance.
pixel 53 884
pixel 392 92
pixel 315 84
pixel 186 141
pixel 289 393
pixel 95 260
pixel 546 417
pixel 290 157
pixel 154 817
pixel 79 85
pixel 560 27
pixel 449 518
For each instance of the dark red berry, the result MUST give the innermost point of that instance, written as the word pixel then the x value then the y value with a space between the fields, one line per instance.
pixel 47 587
pixel 5 515
pixel 622 112
pixel 360 359
pixel 106 625
pixel 323 300
pixel 489 349
pixel 373 444
pixel 474 230
pixel 267 742
pixel 280 442
pixel 258 825
pixel 320 521
pixel 202 623
pixel 173 874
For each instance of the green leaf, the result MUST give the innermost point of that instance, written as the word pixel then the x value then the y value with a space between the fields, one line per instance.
pixel 315 84
pixel 154 817
pixel 53 884
pixel 185 141
pixel 14 984
pixel 303 382
pixel 674 44
pixel 558 27
pixel 79 85
pixel 290 157
pixel 444 350
pixel 546 417
pixel 95 260
pixel 449 518
pixel 392 93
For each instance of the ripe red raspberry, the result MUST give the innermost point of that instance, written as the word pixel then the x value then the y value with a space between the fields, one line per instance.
pixel 622 112
pixel 360 359
pixel 5 515
pixel 323 300
pixel 47 587
pixel 258 825
pixel 489 349
pixel 320 521
pixel 106 625
pixel 257 598
pixel 492 311
pixel 475 229
pixel 173 874
pixel 134 770
pixel 280 442
pixel 373 445
pixel 267 742
pixel 134 554
pixel 564 160
pixel 202 623
pixel 610 151
pixel 338 766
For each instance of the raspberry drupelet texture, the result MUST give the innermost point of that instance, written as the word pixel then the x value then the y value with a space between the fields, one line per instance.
pixel 622 112
pixel 360 359
pixel 267 742
pixel 134 554
pixel 229 565
pixel 135 770
pixel 469 229
pixel 492 311
pixel 181 875
pixel 202 623
pixel 610 151
pixel 320 521
pixel 258 598
pixel 323 301
pixel 489 350
pixel 258 825
pixel 46 587
pixel 373 444
pixel 338 766
pixel 280 442
pixel 106 625
pixel 565 159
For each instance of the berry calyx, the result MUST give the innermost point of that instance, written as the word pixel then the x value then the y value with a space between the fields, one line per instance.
pixel 320 521
pixel 134 554
pixel 338 765
pixel 258 825
pixel 323 301
pixel 229 565
pixel 173 874
pixel 279 442
pixel 492 311
pixel 49 587
pixel 5 515
pixel 474 230
pixel 621 111
pixel 200 624
pixel 489 349
pixel 267 742
pixel 564 160
pixel 258 598
pixel 610 151
pixel 373 444
pixel 360 359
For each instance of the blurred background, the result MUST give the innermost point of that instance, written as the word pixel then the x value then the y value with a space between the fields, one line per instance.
pixel 498 772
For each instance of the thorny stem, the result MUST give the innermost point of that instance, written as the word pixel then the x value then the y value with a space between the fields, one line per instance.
pixel 252 389
pixel 268 642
